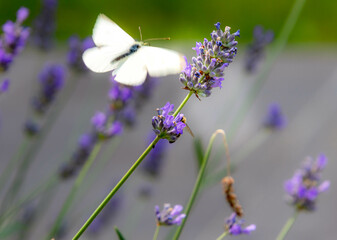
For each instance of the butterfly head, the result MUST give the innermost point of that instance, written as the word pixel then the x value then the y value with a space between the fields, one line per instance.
pixel 135 47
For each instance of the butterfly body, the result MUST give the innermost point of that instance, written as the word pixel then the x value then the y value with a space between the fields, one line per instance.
pixel 132 50
pixel 129 60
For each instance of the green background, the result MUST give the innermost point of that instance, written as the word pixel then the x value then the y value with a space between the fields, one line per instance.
pixel 182 20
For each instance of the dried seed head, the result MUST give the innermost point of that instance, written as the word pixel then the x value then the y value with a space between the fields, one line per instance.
pixel 228 189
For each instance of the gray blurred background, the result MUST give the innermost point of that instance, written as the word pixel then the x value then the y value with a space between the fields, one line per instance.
pixel 303 81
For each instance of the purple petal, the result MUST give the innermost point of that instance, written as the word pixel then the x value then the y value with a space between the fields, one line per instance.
pixel 176 210
pixel 249 229
pixel 324 186
pixel 311 194
pixel 321 161
pixel 4 85
pixel 22 14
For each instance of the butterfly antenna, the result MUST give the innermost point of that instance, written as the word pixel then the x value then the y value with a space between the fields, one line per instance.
pixel 155 39
pixel 140 33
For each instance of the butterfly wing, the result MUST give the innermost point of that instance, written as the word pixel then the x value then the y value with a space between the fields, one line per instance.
pixel 108 33
pixel 133 71
pixel 100 59
pixel 161 62
pixel 111 42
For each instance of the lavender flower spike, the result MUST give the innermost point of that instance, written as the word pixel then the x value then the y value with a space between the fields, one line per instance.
pixel 234 226
pixel 13 39
pixel 169 216
pixel 152 164
pixel 305 186
pixel 103 128
pixel 44 25
pixel 4 85
pixel 76 49
pixel 51 79
pixel 256 50
pixel 275 119
pixel 207 69
pixel 167 126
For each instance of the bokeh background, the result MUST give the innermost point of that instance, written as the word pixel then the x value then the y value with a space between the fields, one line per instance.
pixel 303 80
pixel 183 20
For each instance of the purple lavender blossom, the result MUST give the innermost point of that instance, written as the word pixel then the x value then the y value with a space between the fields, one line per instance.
pixel 4 85
pixel 167 126
pixel 85 145
pixel 169 216
pixel 51 80
pixel 119 95
pixel 153 162
pixel 103 128
pixel 234 226
pixel 144 91
pixel 208 67
pixel 119 109
pixel 44 25
pixel 275 118
pixel 76 49
pixel 256 50
pixel 13 39
pixel 305 185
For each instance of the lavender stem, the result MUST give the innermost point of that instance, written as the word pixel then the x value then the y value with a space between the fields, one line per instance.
pixel 287 226
pixel 73 191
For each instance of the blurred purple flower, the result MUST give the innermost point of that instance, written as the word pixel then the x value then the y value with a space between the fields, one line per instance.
pixel 31 128
pixel 153 162
pixel 256 50
pixel 119 95
pixel 44 25
pixel 305 185
pixel 76 49
pixel 4 85
pixel 103 128
pixel 51 80
pixel 145 191
pixel 13 39
pixel 107 215
pixel 275 118
pixel 120 109
pixel 167 126
pixel 169 216
pixel 234 226
pixel 208 67
pixel 144 92
pixel 85 145
pixel 22 14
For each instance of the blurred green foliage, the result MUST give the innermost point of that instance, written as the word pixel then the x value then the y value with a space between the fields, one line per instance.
pixel 187 19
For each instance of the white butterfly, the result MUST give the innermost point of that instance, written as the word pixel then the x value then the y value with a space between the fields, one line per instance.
pixel 130 60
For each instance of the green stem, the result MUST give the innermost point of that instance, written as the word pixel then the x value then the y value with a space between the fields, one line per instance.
pixel 37 144
pixel 13 162
pixel 155 235
pixel 46 185
pixel 241 155
pixel 287 226
pixel 99 166
pixel 182 103
pixel 279 45
pixel 197 185
pixel 222 236
pixel 115 189
pixel 74 189
pixel 126 176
